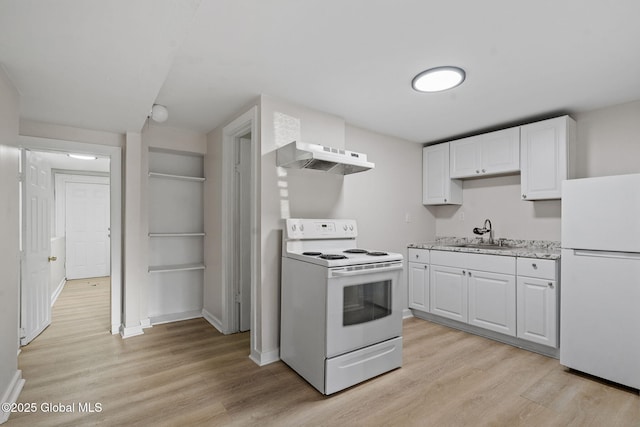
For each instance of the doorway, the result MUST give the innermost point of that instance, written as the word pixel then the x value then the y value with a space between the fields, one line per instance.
pixel 65 229
pixel 240 227
pixel 113 249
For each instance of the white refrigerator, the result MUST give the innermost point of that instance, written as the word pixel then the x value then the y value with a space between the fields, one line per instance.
pixel 600 278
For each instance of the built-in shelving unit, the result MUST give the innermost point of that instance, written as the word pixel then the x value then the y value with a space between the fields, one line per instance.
pixel 176 235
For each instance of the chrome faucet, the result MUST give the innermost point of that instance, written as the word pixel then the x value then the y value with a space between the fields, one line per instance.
pixel 484 230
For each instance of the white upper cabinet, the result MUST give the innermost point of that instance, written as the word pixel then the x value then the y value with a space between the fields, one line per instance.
pixel 546 154
pixel 437 186
pixel 493 153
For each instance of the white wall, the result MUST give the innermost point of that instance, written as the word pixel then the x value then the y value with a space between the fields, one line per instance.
pixel 213 244
pixel 290 193
pixel 608 143
pixel 10 377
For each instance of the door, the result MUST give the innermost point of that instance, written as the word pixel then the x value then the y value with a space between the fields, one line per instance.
pixel 363 308
pixel 437 188
pixel 543 158
pixel 599 314
pixel 419 286
pixel 243 232
pixel 537 310
pixel 465 157
pixel 87 230
pixel 492 301
pixel 501 151
pixel 36 223
pixel 449 292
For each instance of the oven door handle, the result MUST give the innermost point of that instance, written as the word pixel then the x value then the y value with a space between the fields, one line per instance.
pixel 364 270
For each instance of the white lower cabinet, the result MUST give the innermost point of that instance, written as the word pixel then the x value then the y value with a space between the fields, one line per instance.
pixel 449 292
pixel 537 303
pixel 419 286
pixel 492 301
pixel 514 296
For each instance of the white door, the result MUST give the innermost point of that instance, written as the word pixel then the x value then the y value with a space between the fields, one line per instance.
pixel 448 287
pixel 418 286
pixel 465 157
pixel 87 230
pixel 537 310
pixel 36 295
pixel 492 301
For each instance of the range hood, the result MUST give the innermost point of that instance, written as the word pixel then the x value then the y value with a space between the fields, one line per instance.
pixel 302 155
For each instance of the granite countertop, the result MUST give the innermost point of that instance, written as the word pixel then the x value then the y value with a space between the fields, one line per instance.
pixel 517 248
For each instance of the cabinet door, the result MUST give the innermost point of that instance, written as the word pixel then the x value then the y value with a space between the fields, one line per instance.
pixel 543 157
pixel 419 286
pixel 465 157
pixel 492 301
pixel 448 292
pixel 500 152
pixel 538 310
pixel 437 187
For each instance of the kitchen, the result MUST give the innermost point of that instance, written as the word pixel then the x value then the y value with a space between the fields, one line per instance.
pixel 607 145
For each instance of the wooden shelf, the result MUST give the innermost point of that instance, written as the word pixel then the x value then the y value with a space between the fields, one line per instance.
pixel 178 177
pixel 181 267
pixel 176 234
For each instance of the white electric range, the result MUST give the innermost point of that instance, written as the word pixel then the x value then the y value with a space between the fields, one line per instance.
pixel 341 315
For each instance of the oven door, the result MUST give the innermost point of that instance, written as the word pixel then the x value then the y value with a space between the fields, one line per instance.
pixel 363 306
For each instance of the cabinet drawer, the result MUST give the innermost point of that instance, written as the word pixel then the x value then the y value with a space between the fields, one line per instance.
pixel 540 268
pixel 449 259
pixel 492 263
pixel 418 255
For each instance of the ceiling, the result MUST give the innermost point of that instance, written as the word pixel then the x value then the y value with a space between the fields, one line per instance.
pixel 102 64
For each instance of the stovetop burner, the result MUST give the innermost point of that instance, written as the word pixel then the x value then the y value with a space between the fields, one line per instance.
pixel 332 256
pixel 374 253
pixel 311 253
pixel 355 251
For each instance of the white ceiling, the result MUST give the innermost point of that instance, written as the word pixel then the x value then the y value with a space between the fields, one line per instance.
pixel 102 64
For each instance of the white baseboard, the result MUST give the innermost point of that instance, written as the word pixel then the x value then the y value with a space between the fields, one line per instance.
pixel 175 317
pixel 56 293
pixel 11 394
pixel 407 313
pixel 215 322
pixel 264 358
pixel 145 323
pixel 115 328
pixel 132 331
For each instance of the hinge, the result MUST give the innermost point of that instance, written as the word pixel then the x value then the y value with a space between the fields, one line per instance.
pixel 21 176
pixel 236 298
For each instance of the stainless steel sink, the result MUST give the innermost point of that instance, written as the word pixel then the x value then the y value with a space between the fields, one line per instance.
pixel 493 246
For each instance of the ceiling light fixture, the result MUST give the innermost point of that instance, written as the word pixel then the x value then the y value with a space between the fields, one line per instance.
pixel 438 79
pixel 159 113
pixel 82 156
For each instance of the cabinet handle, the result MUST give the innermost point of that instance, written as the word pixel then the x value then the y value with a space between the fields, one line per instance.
pixel 464 272
pixel 551 285
pixel 534 265
pixel 469 274
pixel 426 266
pixel 417 256
pixel 445 200
pixel 483 171
pixel 477 171
pixel 524 196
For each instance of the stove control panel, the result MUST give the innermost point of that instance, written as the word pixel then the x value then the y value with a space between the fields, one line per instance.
pixel 320 228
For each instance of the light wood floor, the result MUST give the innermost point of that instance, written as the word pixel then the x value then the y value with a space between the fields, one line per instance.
pixel 186 373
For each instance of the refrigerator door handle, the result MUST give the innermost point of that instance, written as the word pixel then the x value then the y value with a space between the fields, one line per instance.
pixel 607 254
